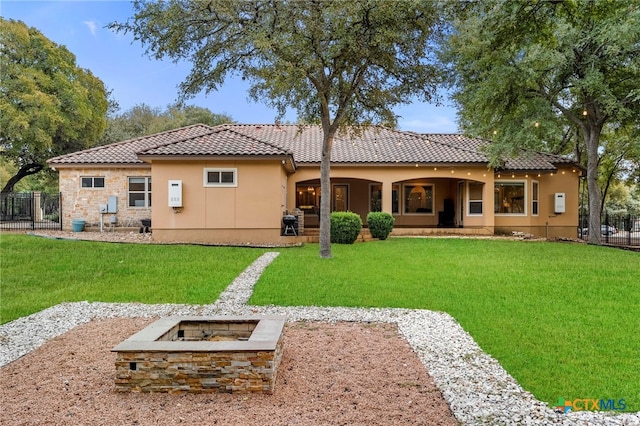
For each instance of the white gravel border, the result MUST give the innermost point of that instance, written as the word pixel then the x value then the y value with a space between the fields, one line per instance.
pixel 478 390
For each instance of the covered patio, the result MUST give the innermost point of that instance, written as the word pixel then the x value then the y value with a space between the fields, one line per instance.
pixel 422 201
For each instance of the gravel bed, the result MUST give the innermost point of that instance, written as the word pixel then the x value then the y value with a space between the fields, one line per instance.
pixel 340 373
pixel 478 390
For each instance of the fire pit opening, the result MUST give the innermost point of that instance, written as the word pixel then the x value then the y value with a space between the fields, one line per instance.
pixel 193 331
pixel 202 354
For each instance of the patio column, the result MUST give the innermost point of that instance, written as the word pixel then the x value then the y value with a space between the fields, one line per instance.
pixel 387 196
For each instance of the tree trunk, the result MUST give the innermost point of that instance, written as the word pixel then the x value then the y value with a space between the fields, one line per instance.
pixel 595 207
pixel 26 170
pixel 325 194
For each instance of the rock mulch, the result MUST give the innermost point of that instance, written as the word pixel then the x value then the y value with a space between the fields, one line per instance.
pixel 475 387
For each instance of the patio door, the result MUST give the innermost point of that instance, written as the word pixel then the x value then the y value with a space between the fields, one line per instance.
pixel 340 196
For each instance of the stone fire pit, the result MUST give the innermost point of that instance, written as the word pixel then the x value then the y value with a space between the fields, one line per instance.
pixel 223 354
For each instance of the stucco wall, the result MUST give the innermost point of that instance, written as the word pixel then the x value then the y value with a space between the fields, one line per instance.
pixel 83 203
pixel 547 223
pixel 252 209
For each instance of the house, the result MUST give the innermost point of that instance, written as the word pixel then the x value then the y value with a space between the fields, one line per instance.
pixel 233 183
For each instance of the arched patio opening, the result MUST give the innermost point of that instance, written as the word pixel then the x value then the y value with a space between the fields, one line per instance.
pixel 359 196
pixel 420 202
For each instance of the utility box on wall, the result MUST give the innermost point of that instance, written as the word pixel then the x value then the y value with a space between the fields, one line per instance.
pixel 559 202
pixel 175 193
pixel 112 207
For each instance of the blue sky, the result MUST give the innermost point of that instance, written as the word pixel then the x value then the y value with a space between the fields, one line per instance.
pixel 135 78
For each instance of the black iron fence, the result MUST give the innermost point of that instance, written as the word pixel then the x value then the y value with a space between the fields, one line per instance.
pixel 30 210
pixel 615 230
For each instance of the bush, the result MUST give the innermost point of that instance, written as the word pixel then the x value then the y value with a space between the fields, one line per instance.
pixel 55 217
pixel 345 227
pixel 380 224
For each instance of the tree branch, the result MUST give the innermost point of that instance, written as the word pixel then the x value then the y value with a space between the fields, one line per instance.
pixel 24 171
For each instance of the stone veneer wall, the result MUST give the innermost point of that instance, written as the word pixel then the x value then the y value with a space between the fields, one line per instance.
pixel 300 215
pixel 83 203
pixel 198 372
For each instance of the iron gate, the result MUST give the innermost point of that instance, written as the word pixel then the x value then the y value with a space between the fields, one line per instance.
pixel 30 210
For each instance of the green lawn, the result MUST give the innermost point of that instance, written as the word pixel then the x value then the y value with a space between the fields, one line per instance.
pixel 40 272
pixel 562 318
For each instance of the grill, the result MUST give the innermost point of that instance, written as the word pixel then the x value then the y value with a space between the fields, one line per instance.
pixel 289 222
pixel 146 226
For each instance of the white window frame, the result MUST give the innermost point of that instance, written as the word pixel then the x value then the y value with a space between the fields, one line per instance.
pixel 207 184
pixel 470 200
pixel 535 198
pixel 146 192
pixel 93 182
pixel 526 196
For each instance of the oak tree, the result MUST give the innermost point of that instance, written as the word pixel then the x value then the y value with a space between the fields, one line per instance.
pixel 48 105
pixel 619 159
pixel 526 74
pixel 335 62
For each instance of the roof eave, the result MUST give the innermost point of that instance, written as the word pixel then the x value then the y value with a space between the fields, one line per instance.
pixel 150 157
pixel 395 164
pixel 551 169
pixel 56 166
pixel 526 170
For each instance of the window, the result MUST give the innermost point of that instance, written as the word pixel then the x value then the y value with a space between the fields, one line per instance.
pixel 534 198
pixel 418 199
pixel 474 189
pixel 221 177
pixel 509 198
pixel 340 198
pixel 92 182
pixel 395 199
pixel 139 192
pixel 375 197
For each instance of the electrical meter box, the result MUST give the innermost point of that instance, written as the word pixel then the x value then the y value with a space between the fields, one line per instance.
pixel 112 207
pixel 559 204
pixel 175 193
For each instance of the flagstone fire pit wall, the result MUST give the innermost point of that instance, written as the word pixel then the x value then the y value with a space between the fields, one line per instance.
pixel 223 354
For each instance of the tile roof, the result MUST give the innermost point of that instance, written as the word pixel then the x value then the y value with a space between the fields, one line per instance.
pixel 528 160
pixel 125 152
pixel 220 141
pixel 373 145
pixel 531 160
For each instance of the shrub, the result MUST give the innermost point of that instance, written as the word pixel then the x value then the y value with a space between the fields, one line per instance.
pixel 54 217
pixel 345 227
pixel 380 224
